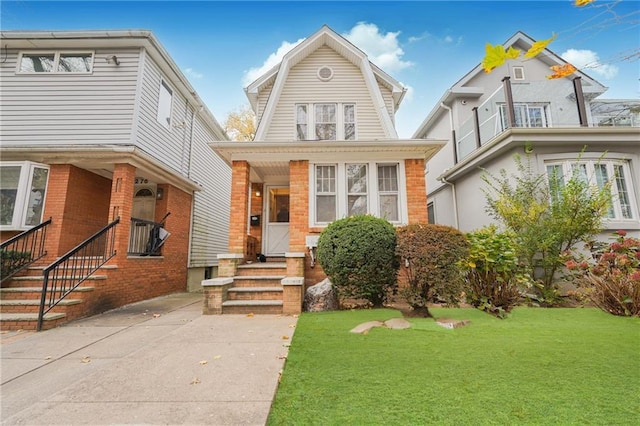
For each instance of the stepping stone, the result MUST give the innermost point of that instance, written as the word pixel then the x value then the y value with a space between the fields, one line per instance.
pixel 397 323
pixel 366 326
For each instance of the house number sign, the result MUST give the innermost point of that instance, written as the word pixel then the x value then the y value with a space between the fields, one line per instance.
pixel 141 181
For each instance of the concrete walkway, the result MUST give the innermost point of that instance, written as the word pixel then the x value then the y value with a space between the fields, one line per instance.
pixel 159 362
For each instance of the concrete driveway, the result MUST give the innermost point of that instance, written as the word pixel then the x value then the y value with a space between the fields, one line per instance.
pixel 159 362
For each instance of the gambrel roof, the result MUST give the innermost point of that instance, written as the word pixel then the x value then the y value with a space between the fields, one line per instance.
pixel 373 76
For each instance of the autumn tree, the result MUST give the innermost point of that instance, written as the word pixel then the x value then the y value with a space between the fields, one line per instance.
pixel 240 124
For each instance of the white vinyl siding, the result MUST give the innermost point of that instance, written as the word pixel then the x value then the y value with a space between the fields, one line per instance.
pixel 69 108
pixel 211 207
pixel 303 86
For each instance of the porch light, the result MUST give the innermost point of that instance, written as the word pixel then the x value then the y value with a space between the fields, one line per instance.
pixel 258 194
pixel 159 193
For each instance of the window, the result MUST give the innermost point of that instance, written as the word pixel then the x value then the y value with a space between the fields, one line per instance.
pixel 348 189
pixel 22 191
pixel 349 122
pixel 56 62
pixel 325 193
pixel 164 105
pixel 325 122
pixel 527 115
pixel 599 173
pixel 388 191
pixel 357 189
pixel 431 213
pixel 518 73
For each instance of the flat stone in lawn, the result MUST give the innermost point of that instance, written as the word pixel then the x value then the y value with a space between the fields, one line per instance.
pixel 394 323
pixel 451 323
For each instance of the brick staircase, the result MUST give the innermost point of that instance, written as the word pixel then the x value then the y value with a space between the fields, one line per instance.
pixel 256 289
pixel 20 301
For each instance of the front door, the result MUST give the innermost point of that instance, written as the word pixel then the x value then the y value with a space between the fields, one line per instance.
pixel 276 241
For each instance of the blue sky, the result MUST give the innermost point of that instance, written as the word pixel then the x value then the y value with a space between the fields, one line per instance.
pixel 426 45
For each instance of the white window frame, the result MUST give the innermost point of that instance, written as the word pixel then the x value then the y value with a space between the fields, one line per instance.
pixel 56 61
pixel 165 104
pixel 618 220
pixel 523 111
pixel 373 195
pixel 518 73
pixel 311 120
pixel 21 206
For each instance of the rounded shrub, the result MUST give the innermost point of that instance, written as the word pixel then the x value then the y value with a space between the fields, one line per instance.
pixel 430 255
pixel 357 254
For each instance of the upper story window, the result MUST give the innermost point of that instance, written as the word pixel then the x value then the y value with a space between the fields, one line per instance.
pixel 164 105
pixel 325 121
pixel 518 73
pixel 349 189
pixel 56 62
pixel 527 115
pixel 22 191
pixel 615 173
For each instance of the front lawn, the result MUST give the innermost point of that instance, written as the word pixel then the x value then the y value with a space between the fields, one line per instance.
pixel 539 366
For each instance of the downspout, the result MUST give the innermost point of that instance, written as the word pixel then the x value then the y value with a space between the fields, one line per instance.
pixel 455 202
pixel 455 161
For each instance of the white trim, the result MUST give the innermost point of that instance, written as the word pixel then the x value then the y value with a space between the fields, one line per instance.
pixel 323 67
pixel 518 73
pixel 23 189
pixel 373 195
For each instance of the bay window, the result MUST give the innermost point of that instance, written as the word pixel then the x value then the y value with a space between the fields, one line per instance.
pixel 349 189
pixel 325 121
pixel 22 190
pixel 597 172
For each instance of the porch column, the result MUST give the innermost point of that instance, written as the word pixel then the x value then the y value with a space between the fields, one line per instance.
pixel 239 207
pixel 121 205
pixel 298 205
pixel 416 190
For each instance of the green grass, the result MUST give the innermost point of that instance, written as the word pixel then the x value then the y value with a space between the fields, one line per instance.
pixel 537 367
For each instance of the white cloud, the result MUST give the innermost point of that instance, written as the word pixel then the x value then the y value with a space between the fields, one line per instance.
pixel 588 61
pixel 408 96
pixel 190 72
pixel 382 49
pixel 273 60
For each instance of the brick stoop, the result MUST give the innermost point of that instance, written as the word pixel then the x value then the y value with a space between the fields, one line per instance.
pixel 20 302
pixel 256 289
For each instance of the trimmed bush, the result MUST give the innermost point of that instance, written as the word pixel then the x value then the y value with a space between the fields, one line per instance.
pixel 613 282
pixel 493 271
pixel 431 256
pixel 357 254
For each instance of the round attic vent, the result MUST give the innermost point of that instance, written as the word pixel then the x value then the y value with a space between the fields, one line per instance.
pixel 325 73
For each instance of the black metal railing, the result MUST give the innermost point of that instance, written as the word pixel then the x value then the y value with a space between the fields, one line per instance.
pixel 23 249
pixel 146 237
pixel 67 273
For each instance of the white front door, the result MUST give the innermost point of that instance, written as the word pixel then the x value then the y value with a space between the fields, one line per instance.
pixel 276 241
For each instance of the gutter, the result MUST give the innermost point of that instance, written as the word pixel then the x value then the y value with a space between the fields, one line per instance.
pixel 455 202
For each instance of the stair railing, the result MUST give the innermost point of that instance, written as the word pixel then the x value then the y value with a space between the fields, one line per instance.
pixel 22 250
pixel 67 273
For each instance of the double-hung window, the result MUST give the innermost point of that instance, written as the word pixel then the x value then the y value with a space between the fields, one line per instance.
pixel 527 115
pixel 56 62
pixel 598 172
pixel 325 121
pixel 349 189
pixel 23 187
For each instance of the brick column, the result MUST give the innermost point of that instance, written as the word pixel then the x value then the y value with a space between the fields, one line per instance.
pixel 416 191
pixel 121 205
pixel 239 207
pixel 299 205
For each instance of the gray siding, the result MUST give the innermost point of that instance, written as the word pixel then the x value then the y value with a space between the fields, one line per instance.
pixel 210 222
pixel 45 108
pixel 303 86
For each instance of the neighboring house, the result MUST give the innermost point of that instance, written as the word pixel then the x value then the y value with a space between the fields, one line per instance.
pixel 488 118
pixel 326 147
pixel 97 126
